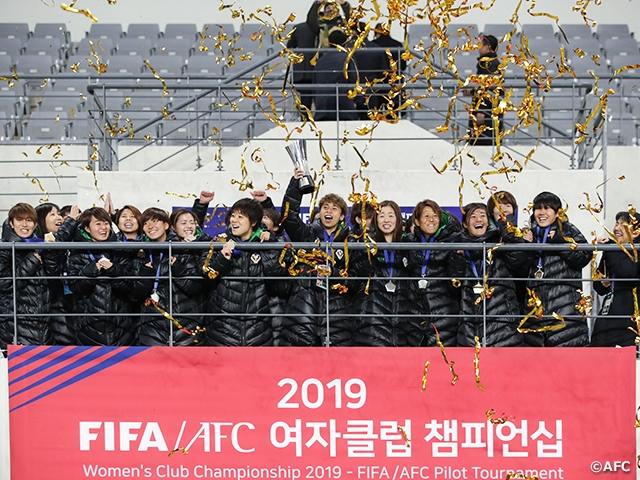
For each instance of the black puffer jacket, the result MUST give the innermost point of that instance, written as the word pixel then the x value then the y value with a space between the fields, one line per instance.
pixel 502 307
pixel 308 300
pixel 155 329
pixel 609 331
pixel 100 292
pixel 240 307
pixel 439 302
pixel 33 296
pixel 382 323
pixel 558 289
pixel 63 331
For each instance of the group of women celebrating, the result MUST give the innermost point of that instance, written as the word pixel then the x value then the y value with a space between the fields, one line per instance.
pixel 227 296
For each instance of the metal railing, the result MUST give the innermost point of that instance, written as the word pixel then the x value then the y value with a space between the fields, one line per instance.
pixel 323 317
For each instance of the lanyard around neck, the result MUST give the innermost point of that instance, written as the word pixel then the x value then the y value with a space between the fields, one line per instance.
pixel 389 258
pixel 544 240
pixel 157 280
pixel 426 253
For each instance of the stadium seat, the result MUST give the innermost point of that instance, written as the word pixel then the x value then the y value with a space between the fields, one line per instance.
pixel 620 46
pixel 214 29
pixel 609 30
pixel 70 85
pixel 166 65
pixel 45 46
pixel 537 31
pixel 133 46
pixel 10 103
pixel 204 65
pixel 575 31
pixel 80 126
pixel 7 127
pixel 10 48
pixel 466 64
pixel 35 65
pixel 148 101
pixel 498 30
pixel 144 30
pixel 185 31
pixel 589 45
pixel 105 30
pixel 61 101
pixel 42 126
pixel 15 30
pixel 102 47
pixel 119 64
pixel 174 46
pixel 622 129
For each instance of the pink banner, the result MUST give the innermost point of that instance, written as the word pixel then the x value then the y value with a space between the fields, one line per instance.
pixel 321 413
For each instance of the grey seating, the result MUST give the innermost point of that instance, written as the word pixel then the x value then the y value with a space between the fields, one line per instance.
pixel 620 61
pixel 119 64
pixel 133 46
pixel 420 32
pixel 537 31
pixel 560 127
pixel 582 66
pixel 452 33
pixel 466 64
pixel 5 66
pixel 105 30
pixel 186 31
pixel 611 30
pixel 35 65
pixel 71 85
pixel 544 47
pixel 7 127
pixel 174 46
pixel 113 101
pixel 83 64
pixel 81 126
pixel 143 30
pixel 15 30
pixel 148 101
pixel 51 30
pixel 45 46
pixel 589 45
pixel 433 113
pixel 622 129
pixel 166 65
pixel 214 29
pixel 620 46
pixel 138 118
pixel 498 30
pixel 10 103
pixel 629 80
pixel 10 48
pixel 42 126
pixel 576 31
pixel 61 101
pixel 186 126
pixel 204 65
pixel 102 47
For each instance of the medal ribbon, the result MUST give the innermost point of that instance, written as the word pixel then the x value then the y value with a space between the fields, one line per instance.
pixel 426 253
pixel 157 280
pixel 389 258
pixel 473 264
pixel 544 240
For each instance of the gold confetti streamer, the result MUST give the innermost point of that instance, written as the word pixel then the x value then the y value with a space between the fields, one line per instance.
pixel 497 420
pixel 511 476
pixel 165 90
pixel 637 424
pixel 211 273
pixel 151 302
pixel 476 363
pixel 36 181
pixel 537 312
pixel 44 83
pixel 96 63
pixel 455 378
pixel 172 452
pixel 86 12
pixel 424 376
pixel 11 80
pixel 404 436
pixel 74 68
pixel 245 182
pixel 147 137
pixel 180 195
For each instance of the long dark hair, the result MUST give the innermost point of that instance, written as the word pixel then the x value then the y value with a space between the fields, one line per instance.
pixel 397 232
pixel 43 210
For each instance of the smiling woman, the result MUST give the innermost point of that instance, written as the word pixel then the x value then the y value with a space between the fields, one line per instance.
pixel 33 294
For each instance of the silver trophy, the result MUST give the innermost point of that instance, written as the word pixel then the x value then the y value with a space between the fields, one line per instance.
pixel 298 154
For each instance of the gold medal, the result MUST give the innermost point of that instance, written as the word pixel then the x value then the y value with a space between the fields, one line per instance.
pixel 390 286
pixel 539 273
pixel 478 289
pixel 422 283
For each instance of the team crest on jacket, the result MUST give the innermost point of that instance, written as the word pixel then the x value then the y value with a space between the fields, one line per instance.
pixel 405 262
pixel 339 254
pixel 255 258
